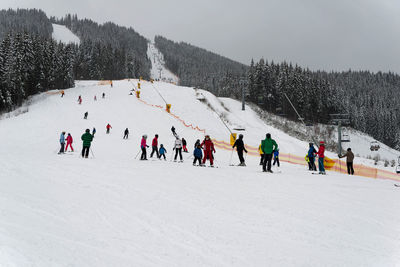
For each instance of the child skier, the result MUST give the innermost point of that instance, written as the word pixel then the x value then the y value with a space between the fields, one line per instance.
pixel 162 152
pixel 208 147
pixel 261 154
pixel 143 146
pixel 178 149
pixel 276 157
pixel 69 142
pixel 198 155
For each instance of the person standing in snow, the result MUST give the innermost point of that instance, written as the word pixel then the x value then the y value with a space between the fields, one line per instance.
pixel 79 100
pixel 69 143
pixel 198 155
pixel 62 143
pixel 85 115
pixel 108 127
pixel 208 147
pixel 126 133
pixel 197 143
pixel 261 154
pixel 184 145
pixel 154 146
pixel 162 152
pixel 103 95
pixel 87 139
pixel 276 157
pixel 239 144
pixel 311 157
pixel 143 146
pixel 95 98
pixel 93 131
pixel 62 93
pixel 349 161
pixel 173 131
pixel 178 148
pixel 268 146
pixel 321 156
pixel 111 83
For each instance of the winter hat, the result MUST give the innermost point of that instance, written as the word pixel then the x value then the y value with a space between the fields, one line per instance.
pixel 322 143
pixel 268 135
pixel 311 144
pixel 240 135
pixel 157 135
pixel 349 149
pixel 145 136
pixel 87 130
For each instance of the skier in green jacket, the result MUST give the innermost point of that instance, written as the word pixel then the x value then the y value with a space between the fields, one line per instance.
pixel 268 146
pixel 87 139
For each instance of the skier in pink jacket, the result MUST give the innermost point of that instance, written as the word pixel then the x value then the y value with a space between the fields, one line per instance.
pixel 143 146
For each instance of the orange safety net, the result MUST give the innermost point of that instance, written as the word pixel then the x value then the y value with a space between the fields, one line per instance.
pixel 107 82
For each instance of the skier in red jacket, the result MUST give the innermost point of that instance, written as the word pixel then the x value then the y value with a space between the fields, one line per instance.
pixel 154 146
pixel 208 147
pixel 69 142
pixel 321 156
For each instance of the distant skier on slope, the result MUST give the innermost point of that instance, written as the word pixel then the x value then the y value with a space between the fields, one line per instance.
pixel 69 142
pixel 239 144
pixel 321 156
pixel 178 149
pixel 268 146
pixel 62 93
pixel 198 155
pixel 108 127
pixel 93 131
pixel 87 139
pixel 79 100
pixel 208 147
pixel 95 98
pixel 62 143
pixel 143 146
pixel 85 115
pixel 154 146
pixel 126 133
pixel 103 95
pixel 349 161
pixel 173 131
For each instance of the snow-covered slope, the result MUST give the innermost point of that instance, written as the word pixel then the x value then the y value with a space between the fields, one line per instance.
pixel 114 210
pixel 158 70
pixel 64 35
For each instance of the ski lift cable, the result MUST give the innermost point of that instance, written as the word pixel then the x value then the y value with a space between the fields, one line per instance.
pixel 159 93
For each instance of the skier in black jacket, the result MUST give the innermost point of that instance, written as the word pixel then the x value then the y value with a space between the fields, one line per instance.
pixel 240 148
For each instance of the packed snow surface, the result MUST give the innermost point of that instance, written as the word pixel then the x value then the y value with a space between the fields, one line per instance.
pixel 114 210
pixel 64 35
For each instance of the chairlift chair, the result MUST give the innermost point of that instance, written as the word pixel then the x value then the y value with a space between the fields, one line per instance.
pixel 374 146
pixel 398 165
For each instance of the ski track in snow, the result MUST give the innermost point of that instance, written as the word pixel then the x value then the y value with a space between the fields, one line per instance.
pixel 113 210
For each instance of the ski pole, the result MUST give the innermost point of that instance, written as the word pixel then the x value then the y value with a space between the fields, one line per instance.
pixel 137 154
pixel 230 160
pixel 91 151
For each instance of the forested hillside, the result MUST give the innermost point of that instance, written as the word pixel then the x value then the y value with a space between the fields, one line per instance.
pixel 108 51
pixel 200 68
pixel 371 100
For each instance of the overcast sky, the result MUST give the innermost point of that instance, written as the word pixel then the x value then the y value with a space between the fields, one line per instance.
pixel 319 34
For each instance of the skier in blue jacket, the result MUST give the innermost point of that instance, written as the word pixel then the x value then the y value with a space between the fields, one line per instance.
pixel 311 158
pixel 198 155
pixel 62 142
pixel 162 152
pixel 276 157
